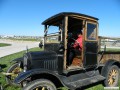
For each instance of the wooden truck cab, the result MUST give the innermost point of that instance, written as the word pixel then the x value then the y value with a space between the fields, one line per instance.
pixel 74 23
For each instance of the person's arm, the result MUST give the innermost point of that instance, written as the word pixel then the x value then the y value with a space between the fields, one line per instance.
pixel 76 44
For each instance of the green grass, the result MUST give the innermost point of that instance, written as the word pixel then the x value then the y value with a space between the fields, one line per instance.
pixel 99 87
pixel 4 44
pixel 5 63
pixel 24 39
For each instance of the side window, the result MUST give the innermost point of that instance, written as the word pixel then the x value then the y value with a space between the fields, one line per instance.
pixel 91 31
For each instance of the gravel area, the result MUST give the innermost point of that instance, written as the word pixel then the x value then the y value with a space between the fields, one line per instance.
pixel 16 46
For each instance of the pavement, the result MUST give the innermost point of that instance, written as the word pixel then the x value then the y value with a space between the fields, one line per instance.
pixel 16 46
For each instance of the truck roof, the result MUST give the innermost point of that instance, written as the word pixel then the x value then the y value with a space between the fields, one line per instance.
pixel 60 16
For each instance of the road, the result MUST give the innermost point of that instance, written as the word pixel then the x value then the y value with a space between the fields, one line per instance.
pixel 16 46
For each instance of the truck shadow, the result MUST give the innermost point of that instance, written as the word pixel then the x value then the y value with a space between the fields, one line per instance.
pixel 90 86
pixel 2 66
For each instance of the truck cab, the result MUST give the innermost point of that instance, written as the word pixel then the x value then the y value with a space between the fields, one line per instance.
pixel 52 66
pixel 58 38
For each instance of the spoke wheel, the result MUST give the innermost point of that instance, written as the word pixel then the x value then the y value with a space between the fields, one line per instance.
pixel 112 76
pixel 40 84
pixel 14 70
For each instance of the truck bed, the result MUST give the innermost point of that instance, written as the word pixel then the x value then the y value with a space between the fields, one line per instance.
pixel 112 50
pixel 109 55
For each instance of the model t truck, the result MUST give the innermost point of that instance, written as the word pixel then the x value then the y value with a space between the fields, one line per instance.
pixel 48 69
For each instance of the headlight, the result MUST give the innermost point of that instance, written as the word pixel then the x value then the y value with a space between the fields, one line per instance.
pixel 26 62
pixel 25 59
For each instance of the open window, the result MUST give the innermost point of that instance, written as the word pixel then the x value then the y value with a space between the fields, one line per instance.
pixel 53 37
pixel 53 34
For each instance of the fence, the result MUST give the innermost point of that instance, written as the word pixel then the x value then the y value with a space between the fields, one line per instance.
pixel 109 43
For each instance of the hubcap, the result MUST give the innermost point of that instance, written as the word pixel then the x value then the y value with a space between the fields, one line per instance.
pixel 15 72
pixel 112 77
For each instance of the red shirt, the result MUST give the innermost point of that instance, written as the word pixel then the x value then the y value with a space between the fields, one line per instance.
pixel 78 43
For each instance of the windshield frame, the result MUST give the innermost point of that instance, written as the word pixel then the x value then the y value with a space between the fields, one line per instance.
pixel 58 33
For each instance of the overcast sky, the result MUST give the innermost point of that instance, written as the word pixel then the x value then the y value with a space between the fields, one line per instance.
pixel 24 17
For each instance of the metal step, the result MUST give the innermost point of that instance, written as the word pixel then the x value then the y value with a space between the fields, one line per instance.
pixel 84 82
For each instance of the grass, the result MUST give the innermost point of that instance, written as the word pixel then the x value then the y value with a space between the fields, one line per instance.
pixel 5 64
pixel 4 44
pixel 24 39
pixel 99 87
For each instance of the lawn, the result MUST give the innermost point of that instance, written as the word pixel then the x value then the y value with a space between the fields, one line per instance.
pixel 5 63
pixel 4 44
pixel 25 39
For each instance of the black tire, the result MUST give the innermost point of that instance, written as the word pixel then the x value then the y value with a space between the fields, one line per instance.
pixel 9 78
pixel 39 84
pixel 112 75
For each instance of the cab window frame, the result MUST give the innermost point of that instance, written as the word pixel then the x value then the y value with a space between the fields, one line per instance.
pixel 86 31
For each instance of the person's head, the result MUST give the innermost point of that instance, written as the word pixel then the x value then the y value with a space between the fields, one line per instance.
pixel 79 33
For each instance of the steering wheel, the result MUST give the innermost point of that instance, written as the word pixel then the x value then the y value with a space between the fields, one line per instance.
pixel 71 42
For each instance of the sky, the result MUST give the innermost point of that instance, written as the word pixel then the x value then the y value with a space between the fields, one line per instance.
pixel 24 17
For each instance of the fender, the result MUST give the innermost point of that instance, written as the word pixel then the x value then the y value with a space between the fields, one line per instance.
pixel 108 64
pixel 32 72
pixel 17 60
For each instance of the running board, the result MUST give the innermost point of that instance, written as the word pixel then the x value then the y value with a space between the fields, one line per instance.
pixel 84 82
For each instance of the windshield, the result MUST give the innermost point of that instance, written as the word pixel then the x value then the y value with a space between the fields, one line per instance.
pixel 53 34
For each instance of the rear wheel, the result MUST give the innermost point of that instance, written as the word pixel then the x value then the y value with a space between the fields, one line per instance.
pixel 14 70
pixel 40 84
pixel 112 76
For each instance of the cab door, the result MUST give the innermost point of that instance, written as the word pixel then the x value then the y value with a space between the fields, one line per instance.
pixel 90 47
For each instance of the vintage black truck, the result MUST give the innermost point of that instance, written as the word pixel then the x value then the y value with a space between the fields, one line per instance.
pixel 48 69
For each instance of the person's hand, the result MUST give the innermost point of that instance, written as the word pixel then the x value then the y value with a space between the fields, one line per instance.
pixel 70 35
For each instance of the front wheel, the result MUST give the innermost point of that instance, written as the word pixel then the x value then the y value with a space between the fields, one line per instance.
pixel 112 76
pixel 40 84
pixel 14 70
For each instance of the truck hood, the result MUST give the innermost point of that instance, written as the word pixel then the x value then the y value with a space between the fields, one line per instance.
pixel 41 59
